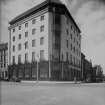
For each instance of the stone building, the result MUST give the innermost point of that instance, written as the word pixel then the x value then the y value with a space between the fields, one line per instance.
pixel 4 60
pixel 46 34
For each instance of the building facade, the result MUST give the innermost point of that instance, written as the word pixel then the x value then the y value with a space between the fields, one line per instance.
pixel 46 33
pixel 3 61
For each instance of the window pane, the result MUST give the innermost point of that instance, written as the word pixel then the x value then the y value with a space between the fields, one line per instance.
pixel 33 21
pixel 33 31
pixel 41 40
pixel 26 24
pixel 33 43
pixel 42 28
pixel 41 54
pixel 19 36
pixel 13 38
pixel 26 57
pixel 19 27
pixel 33 56
pixel 26 34
pixel 42 18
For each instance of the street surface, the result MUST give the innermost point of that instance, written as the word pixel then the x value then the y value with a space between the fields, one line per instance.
pixel 52 94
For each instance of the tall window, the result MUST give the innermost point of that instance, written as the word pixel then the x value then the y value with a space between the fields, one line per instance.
pixel 13 38
pixel 66 56
pixel 42 28
pixel 71 47
pixel 33 21
pixel 67 43
pixel 33 43
pixel 19 47
pixel 13 48
pixel 19 36
pixel 41 40
pixel 13 59
pixel 19 27
pixel 26 34
pixel 26 45
pixel 71 36
pixel 26 24
pixel 71 59
pixel 26 57
pixel 14 30
pixel 41 54
pixel 33 56
pixel 67 31
pixel 42 18
pixel 19 58
pixel 33 31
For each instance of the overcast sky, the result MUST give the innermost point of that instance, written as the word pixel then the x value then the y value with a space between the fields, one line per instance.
pixel 89 15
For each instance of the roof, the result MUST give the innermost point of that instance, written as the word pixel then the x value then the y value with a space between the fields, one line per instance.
pixel 38 8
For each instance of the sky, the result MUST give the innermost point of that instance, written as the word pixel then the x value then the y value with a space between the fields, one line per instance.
pixel 89 15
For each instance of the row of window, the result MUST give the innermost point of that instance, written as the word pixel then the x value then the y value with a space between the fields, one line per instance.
pixel 26 33
pixel 73 48
pixel 26 44
pixel 33 57
pixel 72 28
pixel 71 36
pixel 73 60
pixel 33 22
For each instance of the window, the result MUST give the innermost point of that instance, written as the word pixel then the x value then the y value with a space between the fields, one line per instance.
pixel 26 57
pixel 67 21
pixel 13 48
pixel 19 36
pixel 33 21
pixel 71 46
pixel 74 49
pixel 67 32
pixel 67 43
pixel 19 47
pixel 41 40
pixel 66 56
pixel 13 38
pixel 13 59
pixel 41 54
pixel 71 58
pixel 33 56
pixel 26 24
pixel 71 36
pixel 33 43
pixel 14 30
pixel 26 34
pixel 19 27
pixel 42 18
pixel 42 28
pixel 26 45
pixel 33 31
pixel 74 40
pixel 19 58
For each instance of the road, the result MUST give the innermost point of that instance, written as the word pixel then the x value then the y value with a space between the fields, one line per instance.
pixel 52 94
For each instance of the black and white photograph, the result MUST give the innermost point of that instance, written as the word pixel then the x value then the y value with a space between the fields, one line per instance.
pixel 52 52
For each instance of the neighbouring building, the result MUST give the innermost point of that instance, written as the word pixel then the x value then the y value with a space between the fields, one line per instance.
pixel 46 34
pixel 88 70
pixel 82 66
pixel 4 60
pixel 97 73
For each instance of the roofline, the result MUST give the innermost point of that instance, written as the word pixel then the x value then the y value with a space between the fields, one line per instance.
pixel 36 8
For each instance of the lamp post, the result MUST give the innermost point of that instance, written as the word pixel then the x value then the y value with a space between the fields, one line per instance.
pixel 62 67
pixel 37 67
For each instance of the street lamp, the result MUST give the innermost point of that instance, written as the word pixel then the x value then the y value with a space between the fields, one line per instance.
pixel 37 67
pixel 62 67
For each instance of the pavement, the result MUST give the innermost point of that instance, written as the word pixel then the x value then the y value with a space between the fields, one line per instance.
pixel 52 93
